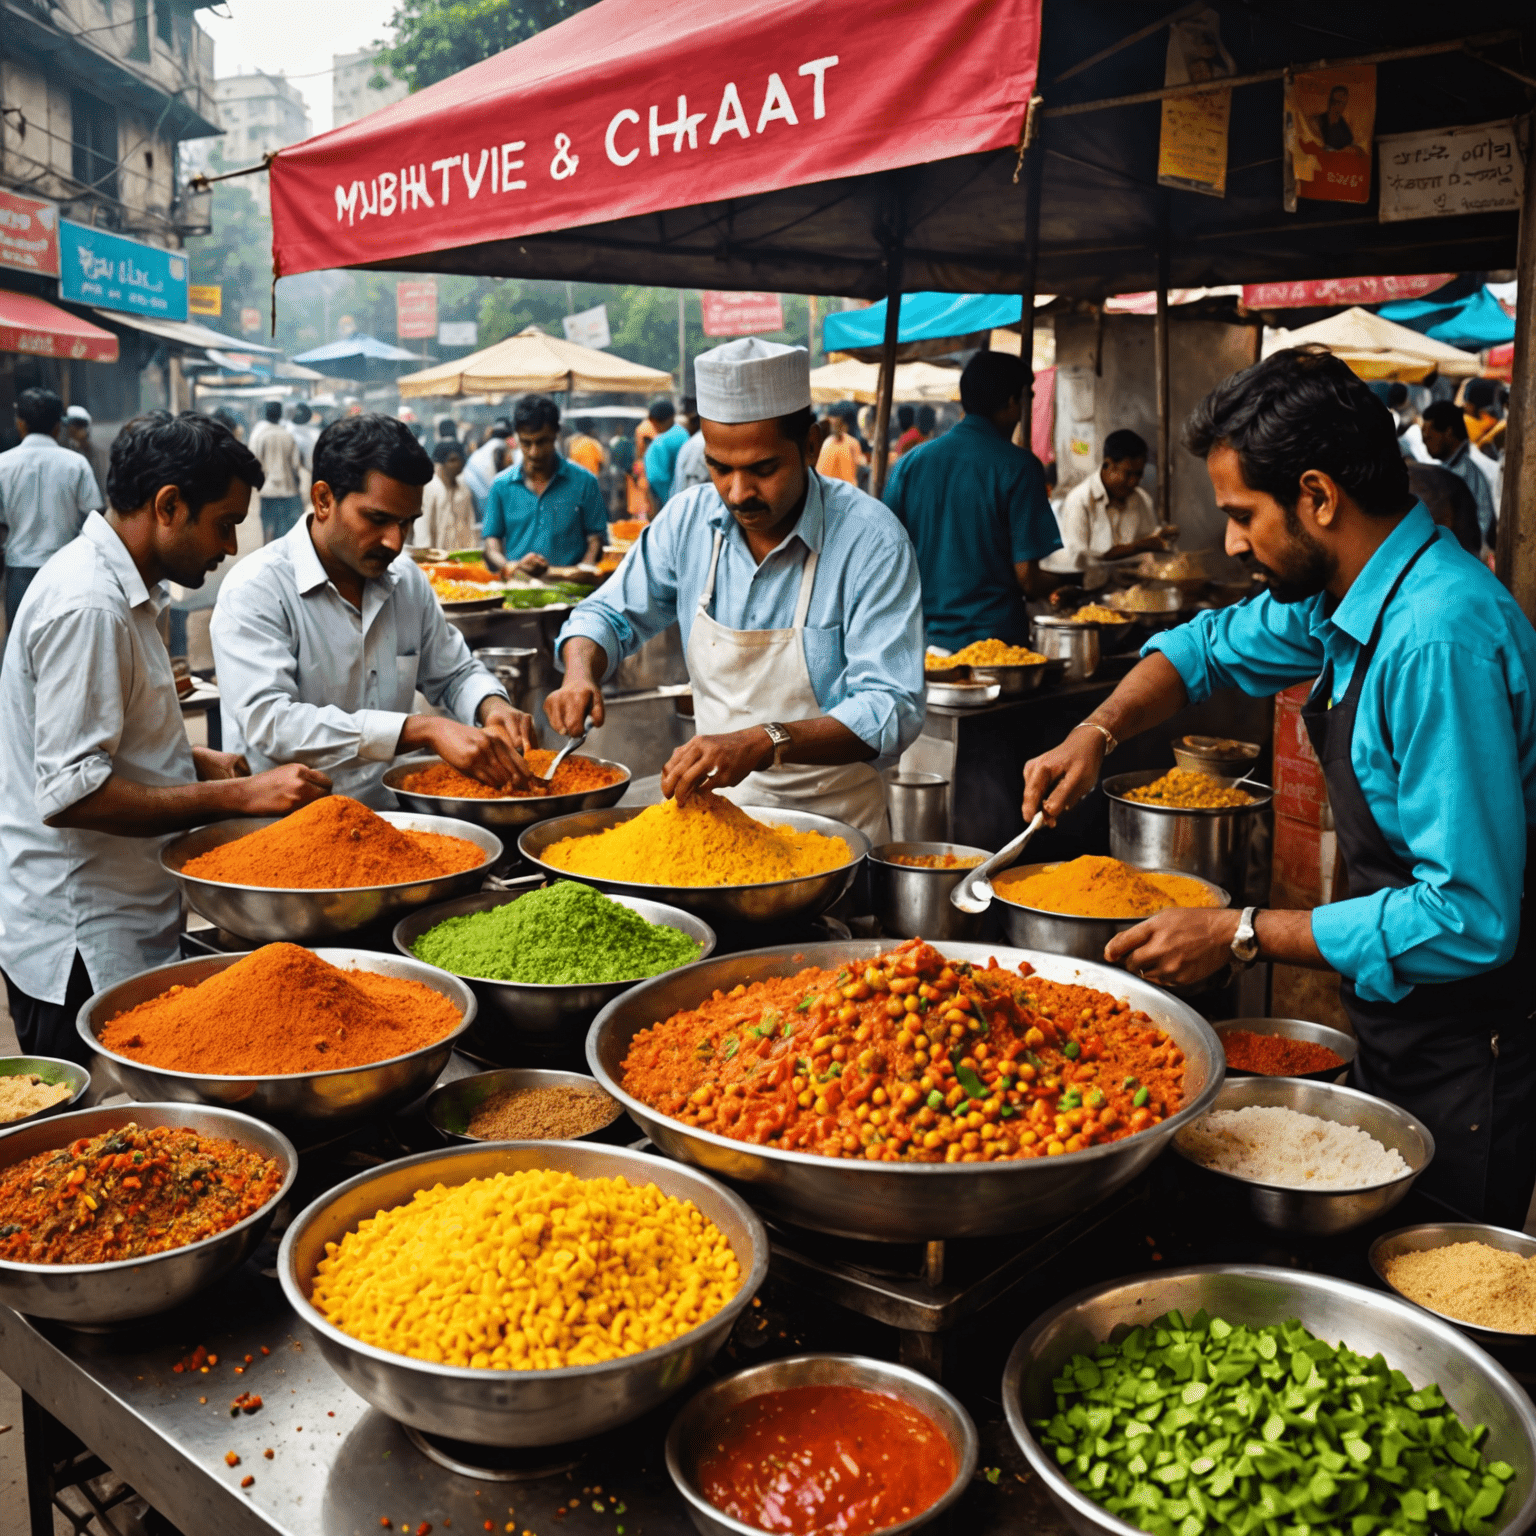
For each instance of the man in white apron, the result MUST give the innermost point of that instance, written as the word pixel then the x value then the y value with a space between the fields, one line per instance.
pixel 798 600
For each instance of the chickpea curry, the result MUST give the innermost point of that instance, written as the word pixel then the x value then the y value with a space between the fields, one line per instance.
pixel 910 1057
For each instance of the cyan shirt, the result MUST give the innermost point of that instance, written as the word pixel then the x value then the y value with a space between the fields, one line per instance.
pixel 864 629
pixel 975 506
pixel 1444 747
pixel 556 523
pixel 661 461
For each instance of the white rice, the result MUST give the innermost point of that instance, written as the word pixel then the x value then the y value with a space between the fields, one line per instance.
pixel 1270 1145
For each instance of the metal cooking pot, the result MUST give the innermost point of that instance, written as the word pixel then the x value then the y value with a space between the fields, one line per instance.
pixel 1065 640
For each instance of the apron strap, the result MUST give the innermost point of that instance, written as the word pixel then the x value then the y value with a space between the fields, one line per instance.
pixel 707 596
pixel 807 581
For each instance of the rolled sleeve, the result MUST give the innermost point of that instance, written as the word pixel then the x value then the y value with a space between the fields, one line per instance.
pixel 1260 647
pixel 636 603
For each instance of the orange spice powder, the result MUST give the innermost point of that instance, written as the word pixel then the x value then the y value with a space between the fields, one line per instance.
pixel 576 774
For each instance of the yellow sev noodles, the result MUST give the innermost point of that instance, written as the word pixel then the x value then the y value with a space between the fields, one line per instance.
pixel 528 1271
pixel 708 841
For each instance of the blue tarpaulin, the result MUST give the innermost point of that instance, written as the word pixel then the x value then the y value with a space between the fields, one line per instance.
pixel 924 317
pixel 1473 323
pixel 351 348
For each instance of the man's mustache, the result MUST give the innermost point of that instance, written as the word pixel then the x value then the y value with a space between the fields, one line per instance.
pixel 749 507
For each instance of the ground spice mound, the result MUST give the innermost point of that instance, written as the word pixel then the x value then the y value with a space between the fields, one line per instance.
pixel 1276 1055
pixel 574 776
pixel 278 1011
pixel 334 844
pixel 1471 1283
pixel 708 841
pixel 1185 789
pixel 558 1113
pixel 1093 886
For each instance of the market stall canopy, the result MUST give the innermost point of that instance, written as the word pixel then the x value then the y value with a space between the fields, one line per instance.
pixel 357 348
pixel 1475 322
pixel 1375 348
pixel 532 362
pixel 929 324
pixel 40 329
pixel 187 334
pixel 860 382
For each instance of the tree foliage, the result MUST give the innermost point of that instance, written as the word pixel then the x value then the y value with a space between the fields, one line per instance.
pixel 437 38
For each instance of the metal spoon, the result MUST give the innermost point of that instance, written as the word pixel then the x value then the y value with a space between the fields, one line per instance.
pixel 974 893
pixel 567 749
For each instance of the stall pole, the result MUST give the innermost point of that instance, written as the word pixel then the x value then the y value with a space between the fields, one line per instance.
pixel 1517 521
pixel 1160 363
pixel 1034 157
pixel 887 372
pixel 682 345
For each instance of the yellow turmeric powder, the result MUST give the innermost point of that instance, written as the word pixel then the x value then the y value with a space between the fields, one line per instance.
pixel 708 841
pixel 1093 886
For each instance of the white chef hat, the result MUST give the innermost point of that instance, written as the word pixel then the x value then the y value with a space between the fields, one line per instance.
pixel 752 380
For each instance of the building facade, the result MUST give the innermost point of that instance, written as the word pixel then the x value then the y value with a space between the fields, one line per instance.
pixel 261 114
pixel 353 93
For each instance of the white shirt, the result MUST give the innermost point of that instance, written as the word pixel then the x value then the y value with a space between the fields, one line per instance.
pixel 1091 525
pixel 480 468
pixel 86 691
pixel 306 678
pixel 690 468
pixel 447 518
pixel 273 445
pixel 45 492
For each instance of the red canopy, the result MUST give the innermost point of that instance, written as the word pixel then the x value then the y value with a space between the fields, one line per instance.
pixel 629 109
pixel 29 324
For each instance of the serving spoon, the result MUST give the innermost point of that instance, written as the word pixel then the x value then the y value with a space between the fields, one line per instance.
pixel 974 893
pixel 566 751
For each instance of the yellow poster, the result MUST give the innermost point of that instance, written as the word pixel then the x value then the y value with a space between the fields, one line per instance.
pixel 1192 149
pixel 206 299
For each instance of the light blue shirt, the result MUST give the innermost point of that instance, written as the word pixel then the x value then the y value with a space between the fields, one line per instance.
pixel 555 523
pixel 661 461
pixel 1444 747
pixel 864 630
pixel 307 678
pixel 45 492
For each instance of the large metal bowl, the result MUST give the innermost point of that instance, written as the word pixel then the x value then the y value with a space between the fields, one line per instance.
pixel 695 1427
pixel 1336 1040
pixel 300 916
pixel 774 901
pixel 1325 1212
pixel 518 1408
pixel 1014 680
pixel 499 815
pixel 1062 933
pixel 904 1202
pixel 52 1071
pixel 516 1015
pixel 89 1295
pixel 314 1100
pixel 912 901
pixel 1424 1349
pixel 1442 1234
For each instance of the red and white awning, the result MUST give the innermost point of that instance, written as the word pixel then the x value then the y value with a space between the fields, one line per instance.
pixel 32 325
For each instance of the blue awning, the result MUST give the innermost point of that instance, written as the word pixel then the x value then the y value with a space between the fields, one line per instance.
pixel 925 317
pixel 1473 323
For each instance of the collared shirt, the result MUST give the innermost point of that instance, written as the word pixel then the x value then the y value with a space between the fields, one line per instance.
pixel 307 678
pixel 555 523
pixel 1091 524
pixel 45 492
pixel 975 506
pixel 86 692
pixel 274 447
pixel 447 518
pixel 864 630
pixel 1444 746
pixel 661 461
pixel 1464 466
pixel 840 458
pixel 690 468
pixel 480 469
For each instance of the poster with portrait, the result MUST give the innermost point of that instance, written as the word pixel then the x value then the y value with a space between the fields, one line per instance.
pixel 1330 119
pixel 1192 148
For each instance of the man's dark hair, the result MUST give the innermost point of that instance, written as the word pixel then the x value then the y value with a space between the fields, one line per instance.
pixel 1446 416
pixel 905 416
pixel 1449 500
pixel 40 409
pixel 1397 394
pixel 273 410
pixel 197 454
pixel 447 427
pixel 1302 409
pixel 501 427
pixel 446 448
pixel 928 418
pixel 661 410
pixel 690 406
pixel 535 412
pixel 349 449
pixel 1124 444
pixel 302 412
pixel 990 381
pixel 1480 394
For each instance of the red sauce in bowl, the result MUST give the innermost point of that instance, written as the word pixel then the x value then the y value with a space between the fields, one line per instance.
pixel 825 1461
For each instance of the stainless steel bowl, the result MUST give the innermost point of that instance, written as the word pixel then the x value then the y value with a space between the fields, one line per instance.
pixel 1442 1234
pixel 301 916
pixel 515 1015
pixel 774 901
pixel 1058 638
pixel 1014 681
pixel 1325 1212
pixel 964 695
pixel 450 1108
pixel 694 1428
pixel 1062 933
pixel 88 1295
pixel 520 1408
pixel 313 1100
pixel 903 1202
pixel 1203 754
pixel 912 902
pixel 500 815
pixel 1414 1342
pixel 1211 842
pixel 52 1071
pixel 1296 1029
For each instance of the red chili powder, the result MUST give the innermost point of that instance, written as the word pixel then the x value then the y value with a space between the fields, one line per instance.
pixel 1277 1056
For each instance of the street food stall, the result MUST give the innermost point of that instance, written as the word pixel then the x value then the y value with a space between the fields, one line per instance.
pixel 972 1183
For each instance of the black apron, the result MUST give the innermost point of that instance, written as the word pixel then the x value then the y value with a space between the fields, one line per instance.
pixel 1460 1055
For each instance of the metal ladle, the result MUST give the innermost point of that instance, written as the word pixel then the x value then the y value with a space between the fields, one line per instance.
pixel 974 893
pixel 566 750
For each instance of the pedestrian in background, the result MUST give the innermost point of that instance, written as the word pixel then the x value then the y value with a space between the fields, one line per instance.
pixel 77 435
pixel 447 519
pixel 278 454
pixel 661 456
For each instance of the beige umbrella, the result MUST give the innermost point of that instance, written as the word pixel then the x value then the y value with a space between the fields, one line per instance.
pixel 1379 349
pixel 533 362
pixel 853 380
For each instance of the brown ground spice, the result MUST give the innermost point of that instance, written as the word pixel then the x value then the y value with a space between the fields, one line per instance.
pixel 1472 1283
pixel 557 1113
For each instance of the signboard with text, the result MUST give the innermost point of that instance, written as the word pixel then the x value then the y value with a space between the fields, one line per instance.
pixel 113 272
pixel 458 333
pixel 29 234
pixel 589 328
pixel 250 321
pixel 742 314
pixel 1321 293
pixel 206 299
pixel 416 310
pixel 1476 168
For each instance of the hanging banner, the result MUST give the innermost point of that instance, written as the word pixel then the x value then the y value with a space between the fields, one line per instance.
pixel 29 234
pixel 1330 117
pixel 1477 168
pixel 1322 293
pixel 416 309
pixel 589 328
pixel 206 299
pixel 742 314
pixel 112 272
pixel 1192 149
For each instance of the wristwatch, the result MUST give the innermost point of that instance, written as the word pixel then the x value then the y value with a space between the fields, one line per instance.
pixel 781 740
pixel 1245 943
